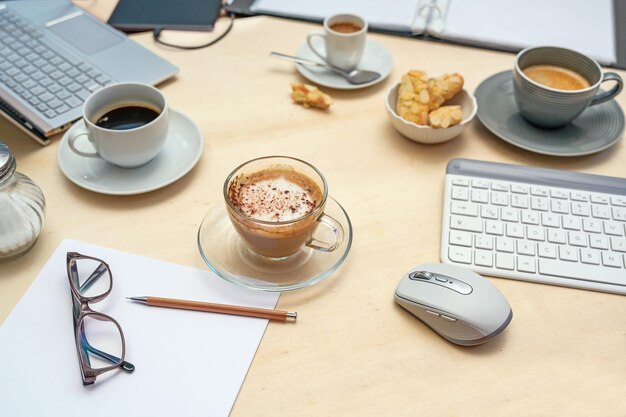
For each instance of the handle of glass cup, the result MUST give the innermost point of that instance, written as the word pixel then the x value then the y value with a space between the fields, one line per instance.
pixel 308 41
pixel 607 95
pixel 73 136
pixel 335 227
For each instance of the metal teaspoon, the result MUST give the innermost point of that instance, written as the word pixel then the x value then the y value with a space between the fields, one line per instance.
pixel 355 76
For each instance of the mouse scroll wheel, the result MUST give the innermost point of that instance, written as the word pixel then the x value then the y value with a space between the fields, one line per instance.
pixel 421 275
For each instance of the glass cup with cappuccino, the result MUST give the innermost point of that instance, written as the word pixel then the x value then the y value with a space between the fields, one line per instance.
pixel 276 203
pixel 126 124
pixel 553 86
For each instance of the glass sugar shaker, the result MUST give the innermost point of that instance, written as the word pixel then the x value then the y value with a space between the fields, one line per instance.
pixel 22 208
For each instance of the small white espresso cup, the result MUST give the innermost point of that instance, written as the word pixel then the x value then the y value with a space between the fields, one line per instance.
pixel 124 147
pixel 344 40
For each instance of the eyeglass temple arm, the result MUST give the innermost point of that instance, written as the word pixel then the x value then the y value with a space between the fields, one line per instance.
pixel 127 366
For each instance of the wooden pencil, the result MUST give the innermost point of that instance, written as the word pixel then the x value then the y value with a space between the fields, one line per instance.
pixel 216 308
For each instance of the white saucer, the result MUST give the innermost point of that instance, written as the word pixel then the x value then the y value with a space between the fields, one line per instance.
pixel 179 155
pixel 375 58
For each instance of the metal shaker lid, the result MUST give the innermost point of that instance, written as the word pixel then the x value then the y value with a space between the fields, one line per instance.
pixel 7 160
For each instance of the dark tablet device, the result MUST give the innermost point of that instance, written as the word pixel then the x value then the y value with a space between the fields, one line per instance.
pixel 140 15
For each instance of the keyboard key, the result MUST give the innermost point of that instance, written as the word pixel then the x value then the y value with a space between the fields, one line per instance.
pixel 560 194
pixel 72 101
pixel 505 261
pixel 461 182
pixel 65 95
pixel 479 183
pixel 557 206
pixel 526 264
pixel 613 260
pixel 483 242
pixel 598 242
pixel 618 201
pixel 599 199
pixel 504 244
pixel 539 191
pixel 62 109
pixel 519 189
pixel 600 212
pixel 464 208
pixel 45 97
pixel 530 217
pixel 480 196
pixel 515 230
pixel 469 224
pixel 460 254
pixel 493 227
pixel 82 94
pixel 535 233
pixel 483 258
pixel 539 203
pixel 567 253
pixel 525 247
pixel 581 271
pixel 579 196
pixel 580 209
pixel 613 228
pixel 519 201
pixel 499 198
pixel 577 238
pixel 499 186
pixel 590 256
pixel 546 250
pixel 488 212
pixel 619 214
pixel 591 225
pixel 618 244
pixel 510 214
pixel 459 238
pixel 571 223
pixel 459 193
pixel 550 220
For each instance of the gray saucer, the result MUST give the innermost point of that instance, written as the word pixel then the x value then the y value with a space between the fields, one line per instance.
pixel 597 128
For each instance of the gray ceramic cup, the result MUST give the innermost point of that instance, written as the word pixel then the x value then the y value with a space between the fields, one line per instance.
pixel 551 108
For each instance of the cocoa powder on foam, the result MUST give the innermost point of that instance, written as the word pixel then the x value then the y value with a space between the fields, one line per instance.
pixel 277 194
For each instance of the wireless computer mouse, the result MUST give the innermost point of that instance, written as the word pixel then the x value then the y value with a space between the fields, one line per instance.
pixel 457 303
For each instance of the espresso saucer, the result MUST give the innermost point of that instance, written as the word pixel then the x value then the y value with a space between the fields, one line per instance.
pixel 375 58
pixel 179 155
pixel 597 128
pixel 229 257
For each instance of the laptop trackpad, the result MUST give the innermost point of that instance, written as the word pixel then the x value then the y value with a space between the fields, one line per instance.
pixel 83 33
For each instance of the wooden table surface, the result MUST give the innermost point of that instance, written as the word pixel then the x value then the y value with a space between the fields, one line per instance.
pixel 353 351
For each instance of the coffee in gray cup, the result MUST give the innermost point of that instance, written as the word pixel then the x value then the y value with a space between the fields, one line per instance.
pixel 555 85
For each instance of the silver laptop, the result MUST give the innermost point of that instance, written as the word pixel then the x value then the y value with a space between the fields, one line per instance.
pixel 53 55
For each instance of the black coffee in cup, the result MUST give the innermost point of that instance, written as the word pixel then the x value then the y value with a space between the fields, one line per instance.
pixel 127 116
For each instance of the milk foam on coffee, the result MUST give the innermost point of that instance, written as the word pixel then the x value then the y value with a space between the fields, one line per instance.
pixel 274 194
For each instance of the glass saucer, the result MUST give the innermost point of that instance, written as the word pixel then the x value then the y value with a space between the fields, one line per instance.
pixel 229 257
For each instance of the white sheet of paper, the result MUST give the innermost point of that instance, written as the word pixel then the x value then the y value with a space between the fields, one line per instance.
pixel 586 26
pixel 187 363
pixel 387 14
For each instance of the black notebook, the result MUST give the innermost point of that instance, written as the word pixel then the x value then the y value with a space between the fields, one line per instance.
pixel 138 15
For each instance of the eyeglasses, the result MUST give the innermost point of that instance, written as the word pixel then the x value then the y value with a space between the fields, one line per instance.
pixel 99 338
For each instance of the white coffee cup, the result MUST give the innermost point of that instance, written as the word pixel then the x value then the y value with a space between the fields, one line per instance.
pixel 125 147
pixel 343 49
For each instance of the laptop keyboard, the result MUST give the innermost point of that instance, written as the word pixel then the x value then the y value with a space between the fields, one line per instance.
pixel 51 83
pixel 546 226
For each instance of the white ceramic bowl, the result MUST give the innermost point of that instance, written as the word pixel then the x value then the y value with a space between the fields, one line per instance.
pixel 426 134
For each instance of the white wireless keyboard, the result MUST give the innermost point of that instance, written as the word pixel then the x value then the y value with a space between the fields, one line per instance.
pixel 533 224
